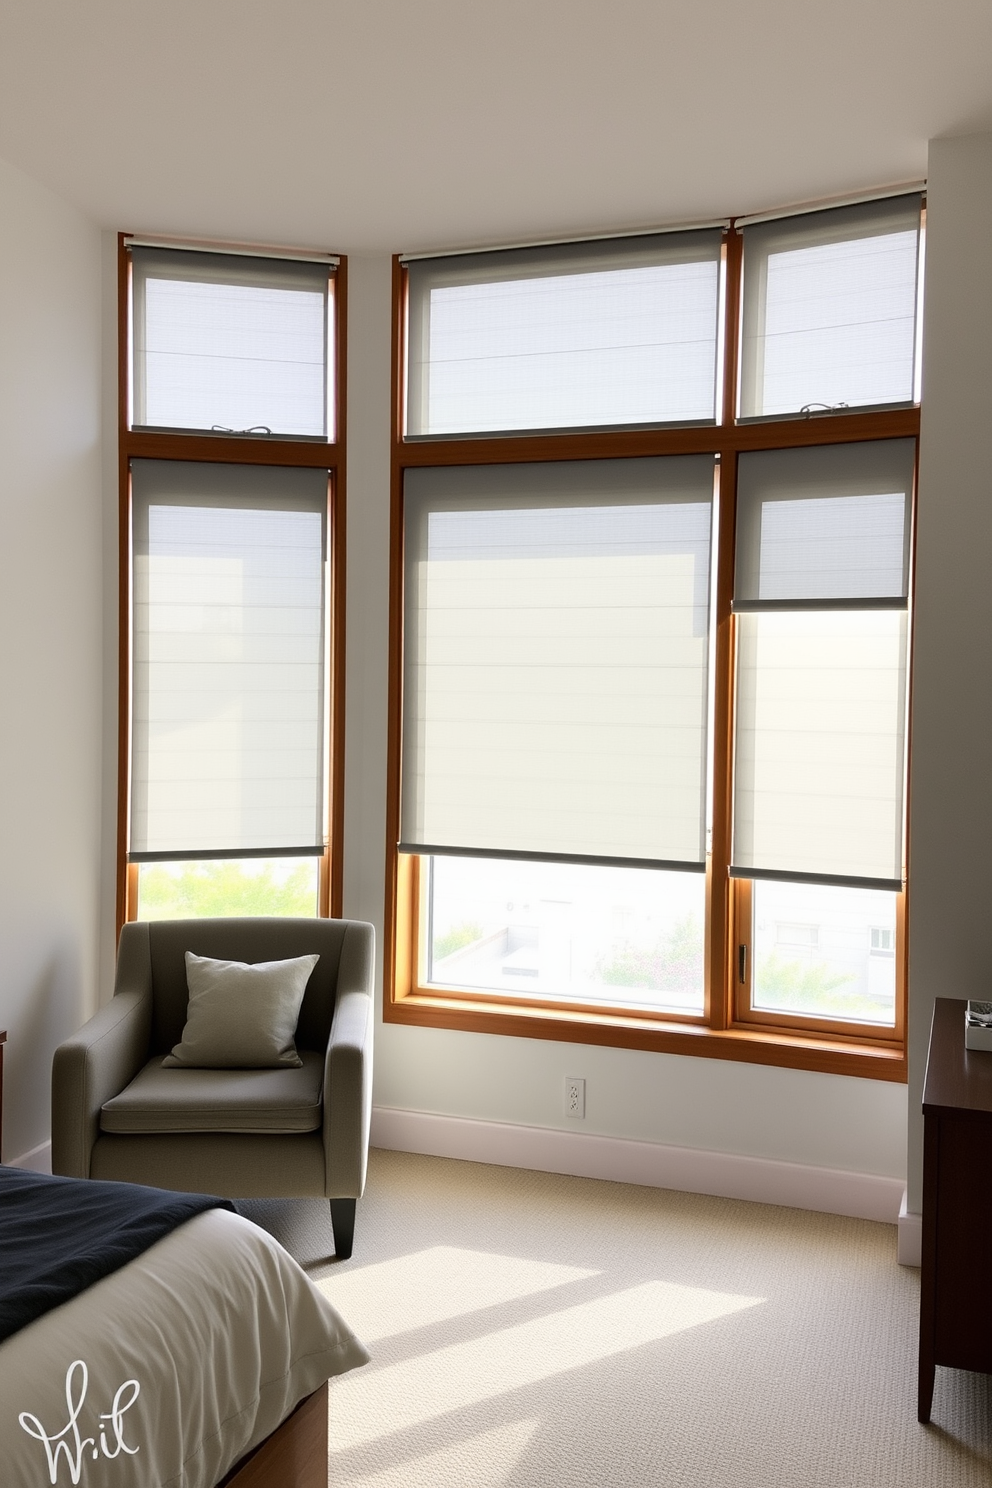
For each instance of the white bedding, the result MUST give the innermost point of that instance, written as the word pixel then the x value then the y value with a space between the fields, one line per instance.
pixel 165 1373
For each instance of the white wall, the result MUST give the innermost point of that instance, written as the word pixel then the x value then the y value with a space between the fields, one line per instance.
pixel 758 1111
pixel 51 645
pixel 951 796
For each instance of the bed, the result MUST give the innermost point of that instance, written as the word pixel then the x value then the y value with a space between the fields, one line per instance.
pixel 204 1360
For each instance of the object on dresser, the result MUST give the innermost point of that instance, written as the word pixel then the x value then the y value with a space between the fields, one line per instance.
pixel 978 1025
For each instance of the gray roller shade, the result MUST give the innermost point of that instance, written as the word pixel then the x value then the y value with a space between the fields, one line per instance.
pixel 822 577
pixel 229 586
pixel 224 341
pixel 556 659
pixel 830 309
pixel 617 332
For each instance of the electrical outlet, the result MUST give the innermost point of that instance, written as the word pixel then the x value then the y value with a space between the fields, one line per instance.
pixel 575 1097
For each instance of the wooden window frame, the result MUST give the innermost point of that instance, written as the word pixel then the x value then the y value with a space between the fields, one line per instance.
pixel 206 448
pixel 746 1016
pixel 728 1027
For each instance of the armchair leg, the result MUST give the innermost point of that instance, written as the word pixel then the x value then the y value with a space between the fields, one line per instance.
pixel 343 1225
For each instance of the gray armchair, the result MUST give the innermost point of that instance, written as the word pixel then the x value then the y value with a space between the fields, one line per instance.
pixel 241 1133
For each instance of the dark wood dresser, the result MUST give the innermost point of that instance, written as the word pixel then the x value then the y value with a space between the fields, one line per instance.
pixel 956 1277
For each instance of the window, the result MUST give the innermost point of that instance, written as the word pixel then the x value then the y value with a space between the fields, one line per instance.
pixel 231 491
pixel 232 343
pixel 653 504
pixel 823 970
pixel 567 932
pixel 617 332
pixel 882 940
pixel 820 599
pixel 830 309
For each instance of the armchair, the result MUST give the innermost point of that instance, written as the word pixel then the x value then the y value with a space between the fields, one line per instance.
pixel 239 1133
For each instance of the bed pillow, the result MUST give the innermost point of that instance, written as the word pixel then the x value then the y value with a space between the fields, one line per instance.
pixel 241 1016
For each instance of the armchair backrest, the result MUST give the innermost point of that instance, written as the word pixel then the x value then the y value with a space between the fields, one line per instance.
pixel 156 949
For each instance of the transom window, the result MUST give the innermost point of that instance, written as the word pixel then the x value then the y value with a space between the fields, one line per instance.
pixel 617 332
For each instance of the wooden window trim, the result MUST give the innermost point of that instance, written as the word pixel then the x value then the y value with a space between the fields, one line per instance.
pixel 728 1028
pixel 616 444
pixel 329 455
pixel 410 1000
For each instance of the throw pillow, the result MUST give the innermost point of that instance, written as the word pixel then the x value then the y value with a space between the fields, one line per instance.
pixel 241 1016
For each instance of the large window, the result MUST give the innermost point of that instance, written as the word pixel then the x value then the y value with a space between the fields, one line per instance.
pixel 653 507
pixel 231 480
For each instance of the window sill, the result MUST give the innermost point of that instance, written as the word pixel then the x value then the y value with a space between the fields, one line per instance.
pixel 837 1056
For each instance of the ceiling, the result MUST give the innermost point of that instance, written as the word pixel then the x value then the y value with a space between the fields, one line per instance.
pixel 412 124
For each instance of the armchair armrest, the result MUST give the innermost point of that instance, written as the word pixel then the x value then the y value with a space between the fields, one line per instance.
pixel 90 1067
pixel 348 1068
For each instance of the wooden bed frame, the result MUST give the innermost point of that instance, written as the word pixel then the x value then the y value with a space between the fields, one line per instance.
pixel 294 1456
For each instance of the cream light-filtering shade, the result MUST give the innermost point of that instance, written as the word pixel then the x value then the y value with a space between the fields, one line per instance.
pixel 821 585
pixel 821 705
pixel 616 332
pixel 224 341
pixel 829 310
pixel 229 585
pixel 556 654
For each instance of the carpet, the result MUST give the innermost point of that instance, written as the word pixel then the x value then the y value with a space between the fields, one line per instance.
pixel 529 1329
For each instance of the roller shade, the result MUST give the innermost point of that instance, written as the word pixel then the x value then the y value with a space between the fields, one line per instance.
pixel 829 308
pixel 822 573
pixel 228 342
pixel 824 524
pixel 555 660
pixel 621 331
pixel 228 660
pixel 820 726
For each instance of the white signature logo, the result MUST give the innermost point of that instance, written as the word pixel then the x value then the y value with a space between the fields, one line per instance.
pixel 69 1441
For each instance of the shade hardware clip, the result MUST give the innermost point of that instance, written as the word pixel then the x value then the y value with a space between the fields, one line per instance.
pixel 808 409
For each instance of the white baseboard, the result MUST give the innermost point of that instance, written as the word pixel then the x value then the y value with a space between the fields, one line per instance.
pixel 910 1243
pixel 727 1175
pixel 39 1159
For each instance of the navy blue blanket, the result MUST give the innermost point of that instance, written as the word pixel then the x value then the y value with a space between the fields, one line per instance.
pixel 60 1235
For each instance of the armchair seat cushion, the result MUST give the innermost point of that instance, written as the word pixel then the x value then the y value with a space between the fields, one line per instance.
pixel 219 1100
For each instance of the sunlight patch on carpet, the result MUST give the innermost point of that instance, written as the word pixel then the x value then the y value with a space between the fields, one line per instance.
pixel 482 1461
pixel 432 1286
pixel 377 1402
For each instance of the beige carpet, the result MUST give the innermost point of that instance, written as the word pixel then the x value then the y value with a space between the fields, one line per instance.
pixel 528 1329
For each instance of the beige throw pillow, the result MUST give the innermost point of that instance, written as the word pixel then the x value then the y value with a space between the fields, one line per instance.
pixel 241 1016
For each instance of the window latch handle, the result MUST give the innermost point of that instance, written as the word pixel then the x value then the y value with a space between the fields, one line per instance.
pixel 742 964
